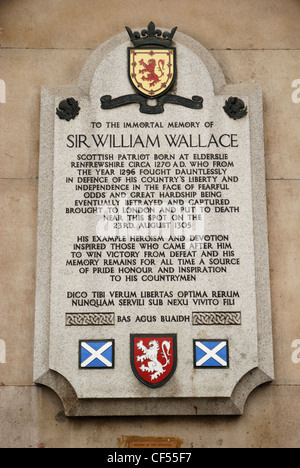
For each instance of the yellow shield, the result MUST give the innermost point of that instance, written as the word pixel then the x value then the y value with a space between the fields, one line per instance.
pixel 152 71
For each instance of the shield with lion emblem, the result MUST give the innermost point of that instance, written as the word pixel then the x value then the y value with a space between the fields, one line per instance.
pixel 153 358
pixel 152 70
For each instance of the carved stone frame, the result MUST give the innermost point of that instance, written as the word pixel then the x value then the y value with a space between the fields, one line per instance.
pixel 73 406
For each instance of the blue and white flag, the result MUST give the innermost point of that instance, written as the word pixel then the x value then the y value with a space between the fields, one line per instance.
pixel 211 354
pixel 96 354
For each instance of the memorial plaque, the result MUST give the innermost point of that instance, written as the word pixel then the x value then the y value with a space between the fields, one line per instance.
pixel 152 273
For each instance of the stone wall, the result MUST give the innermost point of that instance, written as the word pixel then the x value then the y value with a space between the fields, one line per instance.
pixel 47 43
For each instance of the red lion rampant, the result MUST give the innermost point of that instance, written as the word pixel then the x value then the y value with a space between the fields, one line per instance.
pixel 149 68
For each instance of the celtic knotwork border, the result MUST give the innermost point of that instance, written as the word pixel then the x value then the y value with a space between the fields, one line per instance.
pixel 217 318
pixel 94 319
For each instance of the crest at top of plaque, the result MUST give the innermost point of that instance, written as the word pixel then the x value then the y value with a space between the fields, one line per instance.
pixel 152 62
pixel 151 72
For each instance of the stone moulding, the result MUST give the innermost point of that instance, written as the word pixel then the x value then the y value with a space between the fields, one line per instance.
pixel 231 406
pixel 43 374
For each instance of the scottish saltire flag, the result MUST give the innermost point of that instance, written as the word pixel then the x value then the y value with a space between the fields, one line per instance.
pixel 96 354
pixel 211 354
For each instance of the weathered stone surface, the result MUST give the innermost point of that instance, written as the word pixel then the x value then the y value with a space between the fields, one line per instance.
pixel 24 72
pixel 36 414
pixel 18 211
pixel 236 25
